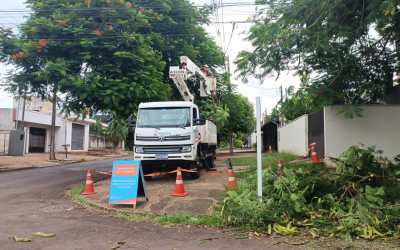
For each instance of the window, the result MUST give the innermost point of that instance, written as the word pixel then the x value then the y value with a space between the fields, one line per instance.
pixel 164 117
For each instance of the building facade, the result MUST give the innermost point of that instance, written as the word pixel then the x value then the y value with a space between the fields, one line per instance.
pixel 70 132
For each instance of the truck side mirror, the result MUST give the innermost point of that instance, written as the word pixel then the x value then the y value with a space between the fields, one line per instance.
pixel 131 121
pixel 200 121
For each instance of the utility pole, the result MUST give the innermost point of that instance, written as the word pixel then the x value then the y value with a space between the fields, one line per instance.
pixel 22 125
pixel 228 67
pixel 23 110
pixel 280 102
pixel 228 71
pixel 286 93
pixel 53 123
pixel 259 145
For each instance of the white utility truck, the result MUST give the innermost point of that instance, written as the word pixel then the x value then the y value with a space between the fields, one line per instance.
pixel 174 134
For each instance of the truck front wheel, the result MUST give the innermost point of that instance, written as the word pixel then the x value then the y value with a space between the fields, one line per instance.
pixel 193 175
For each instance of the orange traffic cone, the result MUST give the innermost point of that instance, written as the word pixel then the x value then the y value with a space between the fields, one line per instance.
pixel 89 188
pixel 231 179
pixel 179 188
pixel 314 155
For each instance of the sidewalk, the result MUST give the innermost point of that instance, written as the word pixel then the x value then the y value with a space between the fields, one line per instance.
pixel 11 163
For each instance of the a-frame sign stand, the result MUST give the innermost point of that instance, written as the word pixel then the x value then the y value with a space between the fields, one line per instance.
pixel 127 183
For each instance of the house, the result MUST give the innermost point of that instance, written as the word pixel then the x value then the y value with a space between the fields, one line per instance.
pixel 72 131
pixel 333 133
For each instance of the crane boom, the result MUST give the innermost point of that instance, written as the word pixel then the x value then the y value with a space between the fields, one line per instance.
pixel 187 68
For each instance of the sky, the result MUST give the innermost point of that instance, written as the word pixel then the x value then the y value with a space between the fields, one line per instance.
pixel 268 90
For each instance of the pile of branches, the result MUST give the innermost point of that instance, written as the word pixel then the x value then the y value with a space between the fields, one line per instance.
pixel 360 199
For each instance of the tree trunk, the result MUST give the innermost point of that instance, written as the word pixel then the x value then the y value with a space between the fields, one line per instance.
pixel 231 143
pixel 397 69
pixel 23 110
pixel 53 126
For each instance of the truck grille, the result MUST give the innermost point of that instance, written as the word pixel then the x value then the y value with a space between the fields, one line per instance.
pixel 162 149
pixel 177 138
pixel 166 138
pixel 147 138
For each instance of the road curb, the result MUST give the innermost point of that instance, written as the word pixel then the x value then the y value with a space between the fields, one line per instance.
pixel 55 165
pixel 88 204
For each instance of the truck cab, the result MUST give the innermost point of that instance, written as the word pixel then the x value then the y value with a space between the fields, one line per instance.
pixel 172 134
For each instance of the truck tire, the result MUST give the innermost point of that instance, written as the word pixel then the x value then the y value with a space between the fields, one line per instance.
pixel 193 175
pixel 211 162
pixel 145 171
pixel 148 178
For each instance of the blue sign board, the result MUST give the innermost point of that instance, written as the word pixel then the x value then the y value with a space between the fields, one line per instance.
pixel 127 182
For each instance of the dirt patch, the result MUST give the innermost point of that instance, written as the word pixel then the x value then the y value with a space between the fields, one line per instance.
pixel 203 194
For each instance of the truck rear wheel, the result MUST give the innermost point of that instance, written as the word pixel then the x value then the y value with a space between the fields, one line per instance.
pixel 211 162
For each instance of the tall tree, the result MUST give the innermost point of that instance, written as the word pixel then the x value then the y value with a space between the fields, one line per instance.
pixel 296 104
pixel 230 111
pixel 121 50
pixel 44 72
pixel 344 51
pixel 106 55
pixel 117 132
pixel 241 118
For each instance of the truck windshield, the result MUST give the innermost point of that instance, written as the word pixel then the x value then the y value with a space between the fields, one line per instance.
pixel 163 117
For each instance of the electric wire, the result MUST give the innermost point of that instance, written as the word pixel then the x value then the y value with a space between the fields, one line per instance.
pixel 223 25
pixel 230 38
pixel 86 9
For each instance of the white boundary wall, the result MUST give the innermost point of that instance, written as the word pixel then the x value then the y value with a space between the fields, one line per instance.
pixel 379 126
pixel 293 137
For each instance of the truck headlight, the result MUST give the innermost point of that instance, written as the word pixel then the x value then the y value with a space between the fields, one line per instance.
pixel 139 150
pixel 187 148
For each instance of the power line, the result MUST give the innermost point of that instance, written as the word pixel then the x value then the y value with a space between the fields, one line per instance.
pixel 13 17
pixel 117 25
pixel 223 25
pixel 87 12
pixel 230 38
pixel 93 37
pixel 235 22
pixel 218 27
pixel 113 15
pixel 86 9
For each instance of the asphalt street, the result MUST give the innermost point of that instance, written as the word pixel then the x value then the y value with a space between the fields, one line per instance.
pixel 34 200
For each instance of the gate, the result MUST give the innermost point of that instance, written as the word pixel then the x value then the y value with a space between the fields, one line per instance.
pixel 78 132
pixel 4 141
pixel 37 140
pixel 316 131
pixel 270 136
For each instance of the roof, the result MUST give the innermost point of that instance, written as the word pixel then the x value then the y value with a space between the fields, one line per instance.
pixel 166 104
